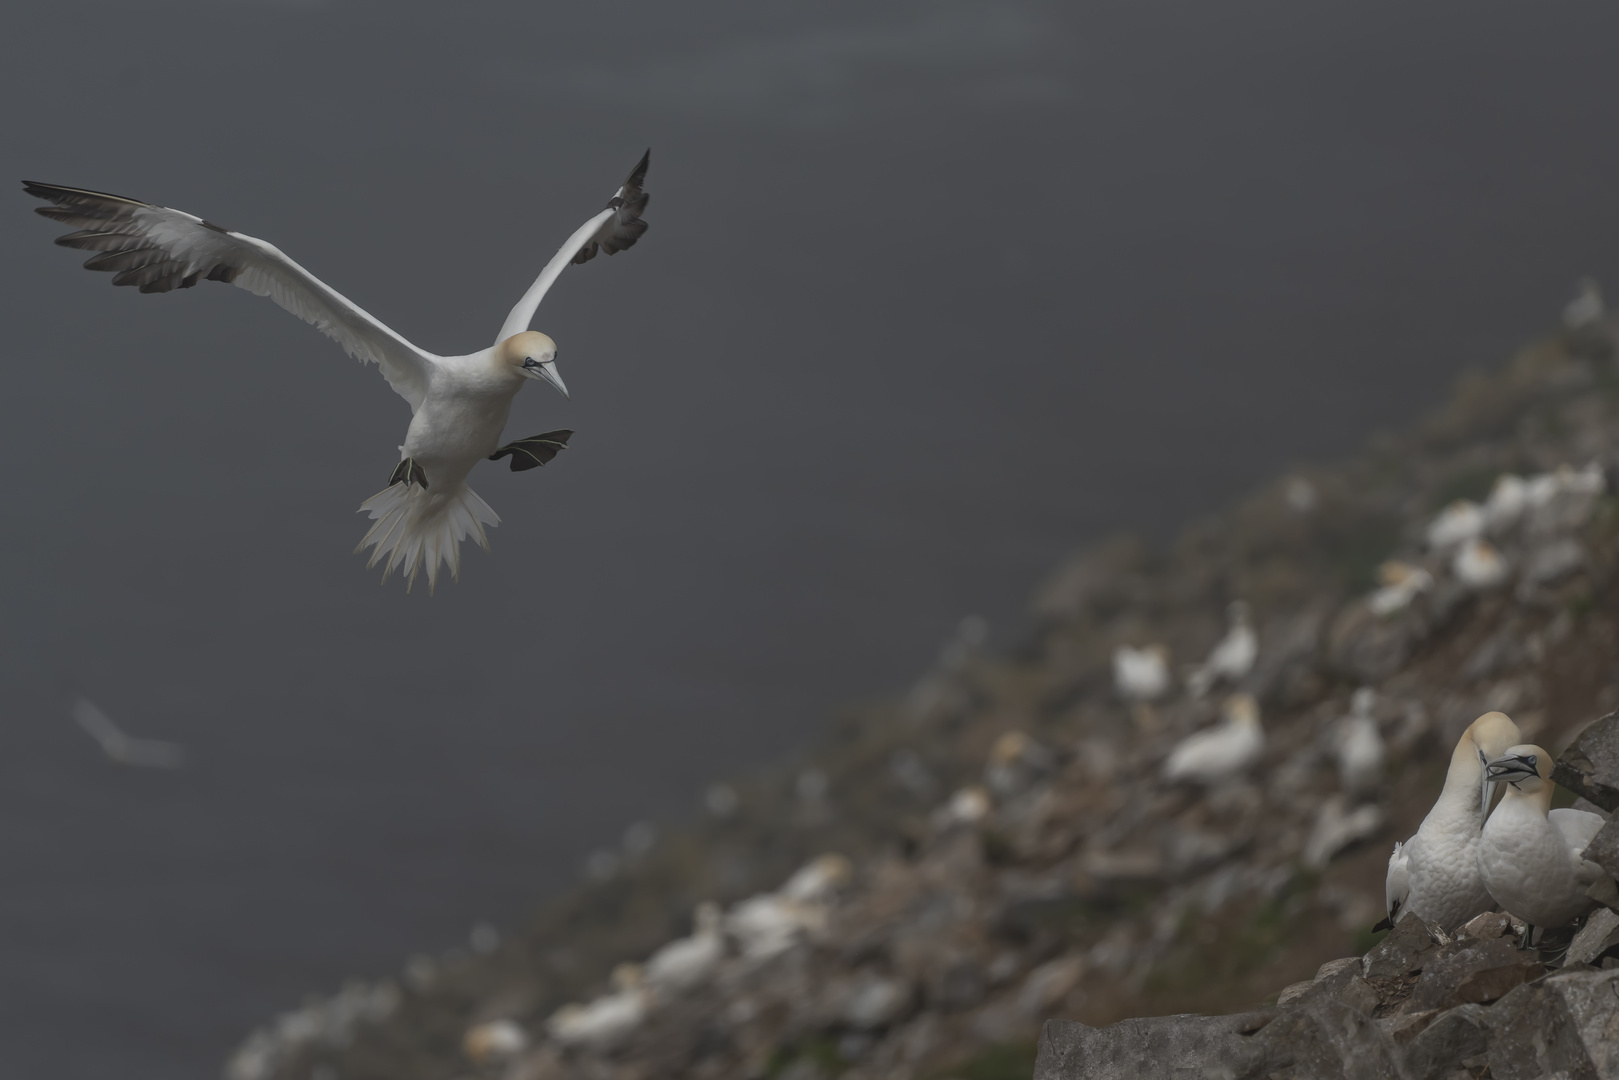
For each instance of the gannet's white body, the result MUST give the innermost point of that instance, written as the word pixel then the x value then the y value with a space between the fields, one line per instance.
pixel 1141 674
pixel 1232 659
pixel 1461 520
pixel 1479 565
pixel 1358 746
pixel 1528 854
pixel 459 404
pixel 607 1020
pixel 686 962
pixel 1435 873
pixel 1222 752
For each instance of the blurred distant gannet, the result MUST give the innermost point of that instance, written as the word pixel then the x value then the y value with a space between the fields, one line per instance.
pixel 1435 873
pixel 459 404
pixel 1232 658
pixel 1222 752
pixel 1358 745
pixel 1529 858
pixel 1479 565
pixel 122 748
pixel 1507 502
pixel 771 923
pixel 688 961
pixel 1587 308
pixel 1141 674
pixel 1400 583
pixel 1461 520
pixel 608 1019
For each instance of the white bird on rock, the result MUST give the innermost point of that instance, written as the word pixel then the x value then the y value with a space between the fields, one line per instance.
pixel 1479 565
pixel 1509 498
pixel 686 962
pixel 459 404
pixel 1233 658
pixel 1399 584
pixel 1529 856
pixel 1435 873
pixel 1222 752
pixel 1141 674
pixel 608 1019
pixel 1358 745
pixel 1461 520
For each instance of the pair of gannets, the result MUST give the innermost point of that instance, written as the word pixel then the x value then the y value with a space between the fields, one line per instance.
pixel 1526 857
pixel 459 404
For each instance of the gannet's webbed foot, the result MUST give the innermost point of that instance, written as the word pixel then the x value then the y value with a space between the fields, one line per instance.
pixel 534 451
pixel 408 472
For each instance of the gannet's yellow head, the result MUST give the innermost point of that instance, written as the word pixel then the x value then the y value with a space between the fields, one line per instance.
pixel 532 355
pixel 1492 734
pixel 1527 767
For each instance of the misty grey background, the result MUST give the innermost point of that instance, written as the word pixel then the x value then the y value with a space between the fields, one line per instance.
pixel 934 292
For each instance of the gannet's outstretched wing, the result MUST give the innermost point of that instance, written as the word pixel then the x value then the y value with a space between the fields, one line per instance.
pixel 617 227
pixel 159 249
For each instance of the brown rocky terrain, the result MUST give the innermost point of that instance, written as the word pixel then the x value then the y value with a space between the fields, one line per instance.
pixel 1010 851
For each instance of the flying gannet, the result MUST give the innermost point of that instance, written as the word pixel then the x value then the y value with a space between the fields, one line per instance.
pixel 1435 873
pixel 123 748
pixel 1529 856
pixel 459 404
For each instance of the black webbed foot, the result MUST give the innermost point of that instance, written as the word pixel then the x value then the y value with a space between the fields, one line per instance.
pixel 408 472
pixel 534 451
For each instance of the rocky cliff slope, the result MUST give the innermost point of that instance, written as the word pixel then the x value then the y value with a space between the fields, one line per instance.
pixel 1003 846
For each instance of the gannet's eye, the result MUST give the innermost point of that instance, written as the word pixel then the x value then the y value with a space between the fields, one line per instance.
pixel 1532 761
pixel 529 361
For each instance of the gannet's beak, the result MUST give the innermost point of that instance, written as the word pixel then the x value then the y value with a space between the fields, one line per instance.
pixel 1486 787
pixel 1511 769
pixel 546 370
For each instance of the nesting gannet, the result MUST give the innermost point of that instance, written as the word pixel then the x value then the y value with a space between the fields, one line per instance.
pixel 1587 308
pixel 1015 762
pixel 1399 584
pixel 459 404
pixel 1529 858
pixel 1479 565
pixel 968 806
pixel 1232 658
pixel 1435 873
pixel 771 923
pixel 1507 502
pixel 123 748
pixel 1223 751
pixel 608 1019
pixel 1358 746
pixel 688 961
pixel 1461 520
pixel 495 1040
pixel 1141 674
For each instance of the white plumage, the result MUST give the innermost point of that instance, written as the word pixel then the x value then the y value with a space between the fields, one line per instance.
pixel 684 963
pixel 1141 674
pixel 1529 856
pixel 1507 502
pixel 1479 565
pixel 1400 583
pixel 1461 520
pixel 1358 746
pixel 1223 751
pixel 1232 658
pixel 459 404
pixel 1435 873
pixel 607 1020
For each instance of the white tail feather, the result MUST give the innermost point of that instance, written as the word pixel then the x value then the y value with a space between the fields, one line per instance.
pixel 417 528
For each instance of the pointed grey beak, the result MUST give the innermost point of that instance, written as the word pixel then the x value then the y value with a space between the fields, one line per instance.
pixel 1511 768
pixel 1486 787
pixel 546 370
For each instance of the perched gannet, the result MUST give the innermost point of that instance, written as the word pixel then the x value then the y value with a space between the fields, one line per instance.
pixel 1435 873
pixel 968 806
pixel 1479 565
pixel 688 961
pixel 459 404
pixel 1461 520
pixel 1016 762
pixel 494 1041
pixel 1221 752
pixel 1358 745
pixel 1529 858
pixel 122 748
pixel 608 1019
pixel 1232 658
pixel 1587 308
pixel 1507 502
pixel 771 923
pixel 1141 674
pixel 1399 584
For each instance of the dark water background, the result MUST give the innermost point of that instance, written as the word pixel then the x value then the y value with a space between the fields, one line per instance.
pixel 934 292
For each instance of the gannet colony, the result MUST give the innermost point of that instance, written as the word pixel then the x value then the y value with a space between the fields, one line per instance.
pixel 1152 837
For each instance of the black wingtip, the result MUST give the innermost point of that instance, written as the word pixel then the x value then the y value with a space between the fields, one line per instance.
pixel 1385 924
pixel 638 174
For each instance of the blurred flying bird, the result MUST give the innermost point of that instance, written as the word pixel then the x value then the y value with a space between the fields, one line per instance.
pixel 459 404
pixel 1587 308
pixel 121 748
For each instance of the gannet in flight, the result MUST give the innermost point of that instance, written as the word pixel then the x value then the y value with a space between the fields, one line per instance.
pixel 459 404
pixel 1435 873
pixel 123 748
pixel 1529 858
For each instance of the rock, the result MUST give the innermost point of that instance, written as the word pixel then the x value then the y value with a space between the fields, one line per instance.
pixel 1604 848
pixel 1294 991
pixel 873 1003
pixel 1599 934
pixel 1553 561
pixel 1568 1023
pixel 1163 1047
pixel 1473 972
pixel 1491 924
pixel 1326 1040
pixel 1369 647
pixel 1445 1042
pixel 1403 952
pixel 1359 995
pixel 1590 766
